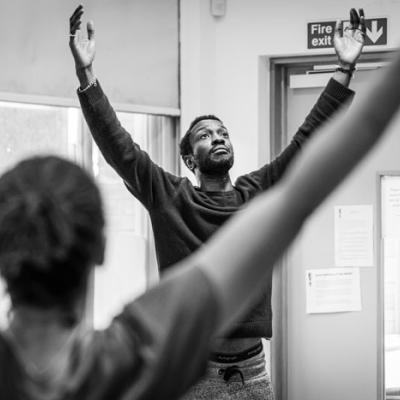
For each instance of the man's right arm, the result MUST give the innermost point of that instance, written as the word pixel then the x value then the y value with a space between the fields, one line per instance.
pixel 329 102
pixel 348 45
pixel 125 156
pixel 146 180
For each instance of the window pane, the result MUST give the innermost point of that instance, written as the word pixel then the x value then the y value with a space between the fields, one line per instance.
pixel 28 130
pixel 129 251
pixel 31 129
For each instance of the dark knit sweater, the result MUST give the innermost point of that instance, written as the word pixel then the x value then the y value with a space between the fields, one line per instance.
pixel 183 216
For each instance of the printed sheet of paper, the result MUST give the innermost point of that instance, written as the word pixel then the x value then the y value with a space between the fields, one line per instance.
pixel 331 290
pixel 353 236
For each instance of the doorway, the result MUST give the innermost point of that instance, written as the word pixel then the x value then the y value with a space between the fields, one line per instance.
pixel 327 355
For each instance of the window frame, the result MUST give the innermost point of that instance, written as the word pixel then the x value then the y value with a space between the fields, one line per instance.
pixel 82 155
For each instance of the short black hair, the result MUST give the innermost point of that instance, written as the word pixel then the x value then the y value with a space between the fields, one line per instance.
pixel 51 232
pixel 185 145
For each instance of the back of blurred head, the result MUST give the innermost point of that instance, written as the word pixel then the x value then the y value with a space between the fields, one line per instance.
pixel 51 232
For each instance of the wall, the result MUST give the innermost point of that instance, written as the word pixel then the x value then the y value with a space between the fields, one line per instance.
pixel 136 45
pixel 221 73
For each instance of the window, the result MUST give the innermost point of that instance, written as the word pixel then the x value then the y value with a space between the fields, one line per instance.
pixel 29 129
pixel 34 129
pixel 130 257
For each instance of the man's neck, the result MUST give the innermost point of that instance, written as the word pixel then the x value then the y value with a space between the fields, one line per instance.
pixel 215 183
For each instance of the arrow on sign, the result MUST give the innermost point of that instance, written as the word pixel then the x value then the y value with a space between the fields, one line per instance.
pixel 374 34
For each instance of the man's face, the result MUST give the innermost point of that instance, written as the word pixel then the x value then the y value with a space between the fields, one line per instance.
pixel 212 148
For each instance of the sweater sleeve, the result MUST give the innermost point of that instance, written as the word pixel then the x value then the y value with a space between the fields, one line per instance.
pixel 147 181
pixel 330 100
pixel 159 345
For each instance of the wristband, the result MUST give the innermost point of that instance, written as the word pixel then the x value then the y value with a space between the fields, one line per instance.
pixel 346 71
pixel 93 82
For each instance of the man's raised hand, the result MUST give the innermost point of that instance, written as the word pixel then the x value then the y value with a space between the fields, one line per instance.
pixel 83 49
pixel 349 42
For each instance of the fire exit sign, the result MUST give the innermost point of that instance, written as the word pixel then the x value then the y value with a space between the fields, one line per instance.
pixel 320 34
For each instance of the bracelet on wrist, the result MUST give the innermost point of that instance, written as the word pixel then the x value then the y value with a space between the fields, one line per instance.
pixel 92 83
pixel 347 71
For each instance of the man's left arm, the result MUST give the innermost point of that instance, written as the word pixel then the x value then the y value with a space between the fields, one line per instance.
pixel 348 45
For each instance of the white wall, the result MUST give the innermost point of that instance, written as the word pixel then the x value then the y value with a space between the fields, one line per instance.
pixel 136 46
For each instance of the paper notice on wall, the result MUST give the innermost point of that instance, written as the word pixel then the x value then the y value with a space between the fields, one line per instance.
pixel 331 290
pixel 354 236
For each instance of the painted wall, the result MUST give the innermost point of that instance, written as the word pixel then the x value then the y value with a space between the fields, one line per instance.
pixel 136 45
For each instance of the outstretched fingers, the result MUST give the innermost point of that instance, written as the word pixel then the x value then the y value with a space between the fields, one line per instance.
pixel 90 30
pixel 76 26
pixel 75 20
pixel 362 26
pixel 359 29
pixel 338 29
pixel 354 19
pixel 77 13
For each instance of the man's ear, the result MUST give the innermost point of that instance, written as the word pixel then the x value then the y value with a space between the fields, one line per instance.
pixel 189 162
